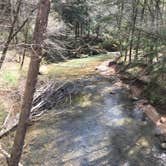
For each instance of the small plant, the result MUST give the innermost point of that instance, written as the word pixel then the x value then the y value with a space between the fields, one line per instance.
pixel 154 99
pixel 10 78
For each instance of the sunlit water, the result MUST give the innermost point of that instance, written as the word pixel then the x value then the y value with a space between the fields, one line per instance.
pixel 98 129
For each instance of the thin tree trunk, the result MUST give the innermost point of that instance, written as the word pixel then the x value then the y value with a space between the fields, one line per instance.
pixel 24 52
pixel 40 28
pixel 75 30
pixel 139 31
pixel 78 31
pixel 134 17
pixel 121 8
pixel 4 52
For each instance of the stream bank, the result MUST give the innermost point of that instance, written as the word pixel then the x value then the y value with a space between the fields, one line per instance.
pixel 140 85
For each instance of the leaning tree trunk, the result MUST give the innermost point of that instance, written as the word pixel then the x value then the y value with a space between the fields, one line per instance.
pixel 40 28
pixel 10 37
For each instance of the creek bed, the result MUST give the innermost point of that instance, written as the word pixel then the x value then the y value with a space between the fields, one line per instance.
pixel 99 128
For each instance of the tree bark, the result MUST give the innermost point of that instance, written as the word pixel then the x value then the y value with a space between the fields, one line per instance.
pixel 139 31
pixel 38 36
pixel 10 34
pixel 25 41
pixel 134 18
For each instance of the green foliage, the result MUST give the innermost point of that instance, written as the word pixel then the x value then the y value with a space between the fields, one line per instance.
pixel 109 45
pixel 10 78
pixel 154 93
pixel 73 11
pixel 154 99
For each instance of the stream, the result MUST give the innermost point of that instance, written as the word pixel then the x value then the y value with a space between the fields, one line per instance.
pixel 101 127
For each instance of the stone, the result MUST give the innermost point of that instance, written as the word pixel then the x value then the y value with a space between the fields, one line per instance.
pixel 163 145
pixel 134 98
pixel 112 92
pixel 158 132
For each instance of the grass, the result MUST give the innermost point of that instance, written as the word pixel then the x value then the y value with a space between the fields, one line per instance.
pixel 10 73
pixel 10 78
pixel 74 68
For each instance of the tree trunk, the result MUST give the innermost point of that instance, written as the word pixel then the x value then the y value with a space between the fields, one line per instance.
pixel 119 22
pixel 82 29
pixel 134 17
pixel 25 41
pixel 40 28
pixel 4 52
pixel 139 31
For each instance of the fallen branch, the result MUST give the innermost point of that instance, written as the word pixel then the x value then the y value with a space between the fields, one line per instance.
pixel 46 98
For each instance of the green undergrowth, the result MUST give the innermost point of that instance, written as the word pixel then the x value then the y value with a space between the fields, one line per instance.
pixel 10 78
pixel 10 75
pixel 75 68
pixel 155 94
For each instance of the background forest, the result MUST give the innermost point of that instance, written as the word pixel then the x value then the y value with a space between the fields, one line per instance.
pixel 76 29
pixel 135 28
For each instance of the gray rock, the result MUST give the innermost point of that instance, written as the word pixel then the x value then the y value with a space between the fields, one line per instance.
pixel 158 132
pixel 163 145
pixel 134 98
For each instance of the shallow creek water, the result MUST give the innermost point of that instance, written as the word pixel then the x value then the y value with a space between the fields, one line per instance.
pixel 100 128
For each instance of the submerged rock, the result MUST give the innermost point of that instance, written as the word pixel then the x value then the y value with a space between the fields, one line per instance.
pixel 134 98
pixel 158 132
pixel 112 92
